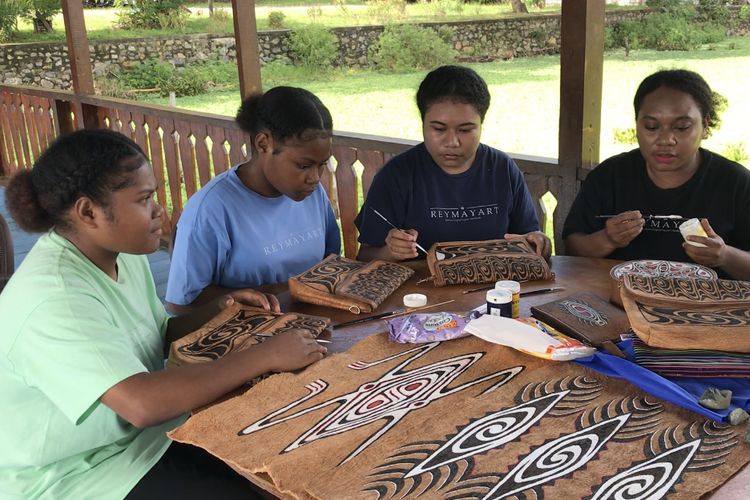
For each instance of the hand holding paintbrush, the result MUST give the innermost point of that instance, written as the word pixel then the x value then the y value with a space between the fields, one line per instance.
pixel 397 252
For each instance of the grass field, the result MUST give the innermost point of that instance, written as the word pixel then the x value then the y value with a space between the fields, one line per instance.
pixel 523 117
pixel 101 23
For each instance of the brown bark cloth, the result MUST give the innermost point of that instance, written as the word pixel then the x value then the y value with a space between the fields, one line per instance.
pixel 462 419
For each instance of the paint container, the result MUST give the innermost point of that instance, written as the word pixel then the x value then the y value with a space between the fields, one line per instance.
pixel 692 227
pixel 500 303
pixel 514 287
pixel 415 300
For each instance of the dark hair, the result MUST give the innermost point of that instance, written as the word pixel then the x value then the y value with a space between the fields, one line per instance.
pixel 685 81
pixel 285 112
pixel 454 83
pixel 91 163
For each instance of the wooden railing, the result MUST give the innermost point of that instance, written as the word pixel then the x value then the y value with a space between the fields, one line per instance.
pixel 188 148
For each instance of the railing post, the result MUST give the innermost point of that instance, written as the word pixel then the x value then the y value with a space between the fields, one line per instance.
pixel 581 68
pixel 246 42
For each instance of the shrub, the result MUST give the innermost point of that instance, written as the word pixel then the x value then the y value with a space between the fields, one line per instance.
pixel 313 47
pixel 276 19
pixel 185 82
pixel 153 14
pixel 736 152
pixel 110 85
pixel 625 135
pixel 386 11
pixel 147 75
pixel 406 47
pixel 9 12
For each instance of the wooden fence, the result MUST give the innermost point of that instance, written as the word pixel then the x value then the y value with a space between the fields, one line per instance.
pixel 188 148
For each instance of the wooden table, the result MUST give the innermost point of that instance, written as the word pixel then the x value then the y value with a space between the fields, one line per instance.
pixel 573 274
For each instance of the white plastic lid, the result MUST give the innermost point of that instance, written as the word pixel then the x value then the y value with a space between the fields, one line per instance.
pixel 513 286
pixel 415 300
pixel 503 296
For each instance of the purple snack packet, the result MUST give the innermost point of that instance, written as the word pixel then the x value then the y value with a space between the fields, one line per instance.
pixel 432 327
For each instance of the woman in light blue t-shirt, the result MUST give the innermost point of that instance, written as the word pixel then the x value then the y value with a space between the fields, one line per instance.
pixel 86 398
pixel 266 219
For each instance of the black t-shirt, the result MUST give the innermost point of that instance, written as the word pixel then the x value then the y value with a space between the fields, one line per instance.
pixel 413 192
pixel 719 191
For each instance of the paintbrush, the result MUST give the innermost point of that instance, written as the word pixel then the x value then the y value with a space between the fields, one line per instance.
pixel 645 216
pixel 391 314
pixel 530 292
pixel 394 227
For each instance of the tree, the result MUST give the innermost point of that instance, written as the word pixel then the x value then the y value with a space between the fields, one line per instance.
pixel 520 7
pixel 40 13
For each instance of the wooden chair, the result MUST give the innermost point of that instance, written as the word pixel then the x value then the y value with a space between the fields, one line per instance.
pixel 6 253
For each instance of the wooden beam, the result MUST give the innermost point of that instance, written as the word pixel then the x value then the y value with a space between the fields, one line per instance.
pixel 246 41
pixel 581 68
pixel 78 47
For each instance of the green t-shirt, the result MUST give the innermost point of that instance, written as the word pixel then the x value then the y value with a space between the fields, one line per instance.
pixel 68 333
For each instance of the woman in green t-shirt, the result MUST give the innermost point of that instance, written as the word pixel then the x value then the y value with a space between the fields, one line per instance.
pixel 86 398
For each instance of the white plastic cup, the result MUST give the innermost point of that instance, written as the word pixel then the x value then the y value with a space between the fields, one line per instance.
pixel 692 227
pixel 514 287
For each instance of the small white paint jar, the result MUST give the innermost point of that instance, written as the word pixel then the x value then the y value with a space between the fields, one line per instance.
pixel 500 303
pixel 415 300
pixel 514 287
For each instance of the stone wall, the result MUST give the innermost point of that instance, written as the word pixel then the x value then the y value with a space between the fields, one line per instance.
pixel 46 64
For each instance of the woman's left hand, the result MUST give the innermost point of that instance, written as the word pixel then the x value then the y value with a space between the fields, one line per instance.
pixel 713 254
pixel 538 241
pixel 251 297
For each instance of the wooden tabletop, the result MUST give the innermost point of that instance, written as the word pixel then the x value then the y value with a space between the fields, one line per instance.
pixel 573 274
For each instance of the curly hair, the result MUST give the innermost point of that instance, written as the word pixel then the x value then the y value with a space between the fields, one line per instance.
pixel 91 163
pixel 285 112
pixel 685 81
pixel 453 83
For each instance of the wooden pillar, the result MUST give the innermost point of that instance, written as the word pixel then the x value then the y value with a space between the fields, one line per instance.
pixel 78 47
pixel 80 68
pixel 581 67
pixel 248 52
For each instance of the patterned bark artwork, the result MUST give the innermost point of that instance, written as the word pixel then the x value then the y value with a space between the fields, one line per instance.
pixel 238 328
pixel 466 262
pixel 462 419
pixel 389 398
pixel 348 284
pixel 689 313
pixel 690 289
pixel 584 312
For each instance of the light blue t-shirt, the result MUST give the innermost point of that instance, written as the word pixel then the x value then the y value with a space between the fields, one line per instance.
pixel 231 236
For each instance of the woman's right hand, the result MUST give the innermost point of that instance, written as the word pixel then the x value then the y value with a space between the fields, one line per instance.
pixel 293 350
pixel 623 228
pixel 402 243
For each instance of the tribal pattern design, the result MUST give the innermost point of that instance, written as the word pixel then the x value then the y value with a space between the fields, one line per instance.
pixel 246 328
pixel 330 272
pixel 489 268
pixel 689 288
pixel 584 312
pixel 378 283
pixel 699 448
pixel 718 316
pixel 471 249
pixel 423 466
pixel 390 398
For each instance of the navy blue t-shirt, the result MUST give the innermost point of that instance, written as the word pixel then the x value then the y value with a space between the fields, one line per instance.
pixel 719 191
pixel 413 192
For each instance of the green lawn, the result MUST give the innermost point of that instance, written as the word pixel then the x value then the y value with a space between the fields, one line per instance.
pixel 523 117
pixel 102 23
